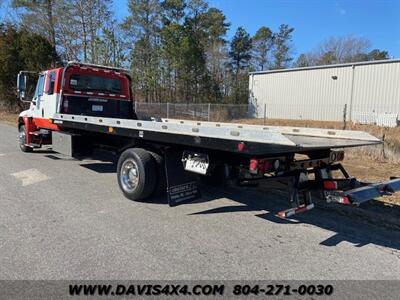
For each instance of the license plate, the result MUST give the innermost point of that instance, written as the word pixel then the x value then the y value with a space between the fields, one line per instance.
pixel 97 108
pixel 196 165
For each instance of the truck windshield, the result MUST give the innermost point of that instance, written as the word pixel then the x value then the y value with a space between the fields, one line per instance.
pixel 94 83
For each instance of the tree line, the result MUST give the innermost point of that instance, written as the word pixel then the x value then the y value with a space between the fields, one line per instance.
pixel 337 50
pixel 177 50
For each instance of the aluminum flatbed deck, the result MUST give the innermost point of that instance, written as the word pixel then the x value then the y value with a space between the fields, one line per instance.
pixel 257 140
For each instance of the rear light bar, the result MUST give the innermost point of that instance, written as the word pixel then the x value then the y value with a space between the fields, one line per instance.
pixel 261 166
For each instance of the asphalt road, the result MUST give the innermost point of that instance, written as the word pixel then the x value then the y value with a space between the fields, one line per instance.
pixel 66 219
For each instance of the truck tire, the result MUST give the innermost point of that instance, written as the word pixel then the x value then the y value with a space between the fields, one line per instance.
pixel 161 185
pixel 22 140
pixel 136 171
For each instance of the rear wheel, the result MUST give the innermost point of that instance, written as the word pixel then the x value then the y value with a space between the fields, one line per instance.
pixel 136 172
pixel 22 140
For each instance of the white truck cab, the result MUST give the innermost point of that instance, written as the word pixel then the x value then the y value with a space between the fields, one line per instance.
pixel 76 89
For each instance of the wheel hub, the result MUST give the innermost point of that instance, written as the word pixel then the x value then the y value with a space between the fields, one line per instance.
pixel 129 175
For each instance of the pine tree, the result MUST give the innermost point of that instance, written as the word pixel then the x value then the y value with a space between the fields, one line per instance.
pixel 263 42
pixel 143 25
pixel 281 51
pixel 216 26
pixel 240 55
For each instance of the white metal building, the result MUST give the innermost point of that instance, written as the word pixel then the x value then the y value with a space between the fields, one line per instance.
pixel 365 89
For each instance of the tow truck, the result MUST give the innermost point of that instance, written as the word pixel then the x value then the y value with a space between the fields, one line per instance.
pixel 80 107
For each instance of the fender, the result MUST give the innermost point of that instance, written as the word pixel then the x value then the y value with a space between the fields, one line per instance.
pixel 44 123
pixel 29 127
pixel 33 124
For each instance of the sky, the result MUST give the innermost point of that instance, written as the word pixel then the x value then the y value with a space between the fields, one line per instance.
pixel 314 20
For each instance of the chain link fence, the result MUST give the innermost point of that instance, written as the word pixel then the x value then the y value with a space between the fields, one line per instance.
pixel 332 117
pixel 199 112
pixel 271 113
pixel 242 113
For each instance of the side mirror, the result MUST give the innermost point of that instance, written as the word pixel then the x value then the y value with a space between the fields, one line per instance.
pixel 21 85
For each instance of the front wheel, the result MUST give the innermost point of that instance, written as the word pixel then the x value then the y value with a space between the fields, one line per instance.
pixel 136 171
pixel 22 140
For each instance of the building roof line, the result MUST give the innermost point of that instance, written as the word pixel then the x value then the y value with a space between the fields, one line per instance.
pixel 362 63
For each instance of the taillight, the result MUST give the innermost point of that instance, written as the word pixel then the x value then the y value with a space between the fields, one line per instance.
pixel 261 166
pixel 330 185
pixel 344 200
pixel 253 166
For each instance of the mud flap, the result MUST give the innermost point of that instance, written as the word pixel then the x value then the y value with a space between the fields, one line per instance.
pixel 181 185
pixel 70 144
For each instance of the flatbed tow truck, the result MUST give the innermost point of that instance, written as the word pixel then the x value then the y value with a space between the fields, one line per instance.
pixel 80 107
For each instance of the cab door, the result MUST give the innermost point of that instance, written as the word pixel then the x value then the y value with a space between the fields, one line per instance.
pixel 37 100
pixel 50 96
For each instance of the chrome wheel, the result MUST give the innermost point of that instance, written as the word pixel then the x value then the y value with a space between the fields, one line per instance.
pixel 129 175
pixel 136 171
pixel 22 136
